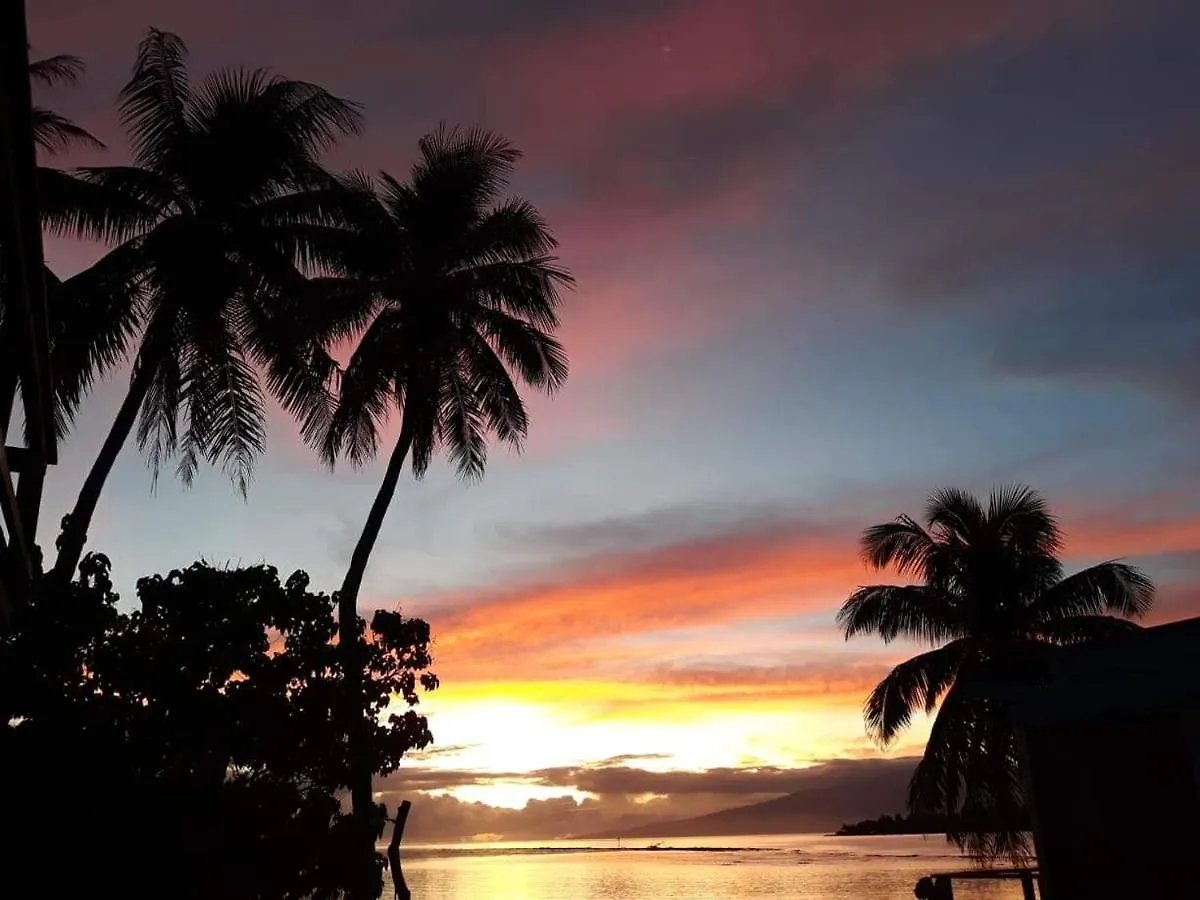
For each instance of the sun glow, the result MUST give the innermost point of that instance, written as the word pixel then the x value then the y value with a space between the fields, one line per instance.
pixel 578 724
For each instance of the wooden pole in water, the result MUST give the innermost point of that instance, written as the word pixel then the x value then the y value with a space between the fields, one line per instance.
pixel 393 852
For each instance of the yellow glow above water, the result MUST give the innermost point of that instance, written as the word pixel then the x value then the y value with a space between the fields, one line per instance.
pixel 574 724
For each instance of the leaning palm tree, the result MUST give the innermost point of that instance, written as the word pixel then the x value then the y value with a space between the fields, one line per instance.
pixel 991 598
pixel 215 223
pixel 459 295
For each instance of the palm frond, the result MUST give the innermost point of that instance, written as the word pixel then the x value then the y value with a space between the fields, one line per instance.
pixel 902 544
pixel 421 419
pixel 1022 516
pixel 77 205
pixel 918 683
pixel 57 70
pixel 254 135
pixel 158 422
pixel 461 422
pixel 513 231
pixel 473 165
pixel 893 611
pixel 226 418
pixel 54 132
pixel 955 512
pixel 137 188
pixel 937 782
pixel 289 340
pixel 528 289
pixel 538 358
pixel 1109 587
pixel 319 229
pixel 95 316
pixel 311 116
pixel 498 396
pixel 153 104
pixel 366 395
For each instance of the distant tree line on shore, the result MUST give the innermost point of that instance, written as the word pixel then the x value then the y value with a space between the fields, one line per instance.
pixel 927 823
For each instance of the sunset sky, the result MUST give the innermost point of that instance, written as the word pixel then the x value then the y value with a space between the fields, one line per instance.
pixel 831 256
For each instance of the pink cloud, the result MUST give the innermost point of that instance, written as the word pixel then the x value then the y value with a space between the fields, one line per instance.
pixel 709 53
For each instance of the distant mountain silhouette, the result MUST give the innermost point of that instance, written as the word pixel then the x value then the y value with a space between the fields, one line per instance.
pixel 842 791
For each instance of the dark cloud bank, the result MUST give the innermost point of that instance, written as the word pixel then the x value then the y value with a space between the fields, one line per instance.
pixel 632 801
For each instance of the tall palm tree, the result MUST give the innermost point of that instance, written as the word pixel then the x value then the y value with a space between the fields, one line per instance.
pixel 459 296
pixel 216 221
pixel 991 597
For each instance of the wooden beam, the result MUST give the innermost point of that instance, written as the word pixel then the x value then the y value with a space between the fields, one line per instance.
pixel 9 508
pixel 24 462
pixel 15 561
pixel 6 609
pixel 20 459
pixel 30 485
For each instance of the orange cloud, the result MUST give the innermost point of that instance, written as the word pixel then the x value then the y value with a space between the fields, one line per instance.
pixel 736 577
pixel 625 611
pixel 1114 538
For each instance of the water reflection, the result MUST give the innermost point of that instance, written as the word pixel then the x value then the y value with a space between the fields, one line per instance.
pixel 795 868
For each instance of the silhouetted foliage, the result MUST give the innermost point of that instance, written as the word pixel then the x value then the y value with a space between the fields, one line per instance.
pixel 218 219
pixel 991 597
pixel 194 747
pixel 922 823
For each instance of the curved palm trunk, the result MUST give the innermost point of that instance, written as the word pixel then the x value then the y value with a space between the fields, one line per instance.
pixel 74 533
pixel 352 656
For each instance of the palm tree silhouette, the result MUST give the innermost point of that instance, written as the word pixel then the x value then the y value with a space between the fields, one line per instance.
pixel 459 294
pixel 217 220
pixel 991 597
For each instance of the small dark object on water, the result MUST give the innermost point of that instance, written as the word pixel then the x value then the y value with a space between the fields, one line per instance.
pixel 393 852
pixel 933 889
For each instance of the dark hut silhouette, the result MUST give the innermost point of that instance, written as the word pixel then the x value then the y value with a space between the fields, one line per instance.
pixel 1110 758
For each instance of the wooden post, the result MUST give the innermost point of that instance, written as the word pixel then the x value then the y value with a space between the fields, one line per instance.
pixel 393 852
pixel 1027 887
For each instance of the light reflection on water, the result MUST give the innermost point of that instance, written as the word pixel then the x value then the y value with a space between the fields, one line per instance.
pixel 795 867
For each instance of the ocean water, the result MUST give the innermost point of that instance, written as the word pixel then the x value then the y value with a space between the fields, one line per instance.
pixel 774 867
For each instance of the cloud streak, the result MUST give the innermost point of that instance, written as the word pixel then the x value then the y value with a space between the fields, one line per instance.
pixel 651 581
pixel 626 797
